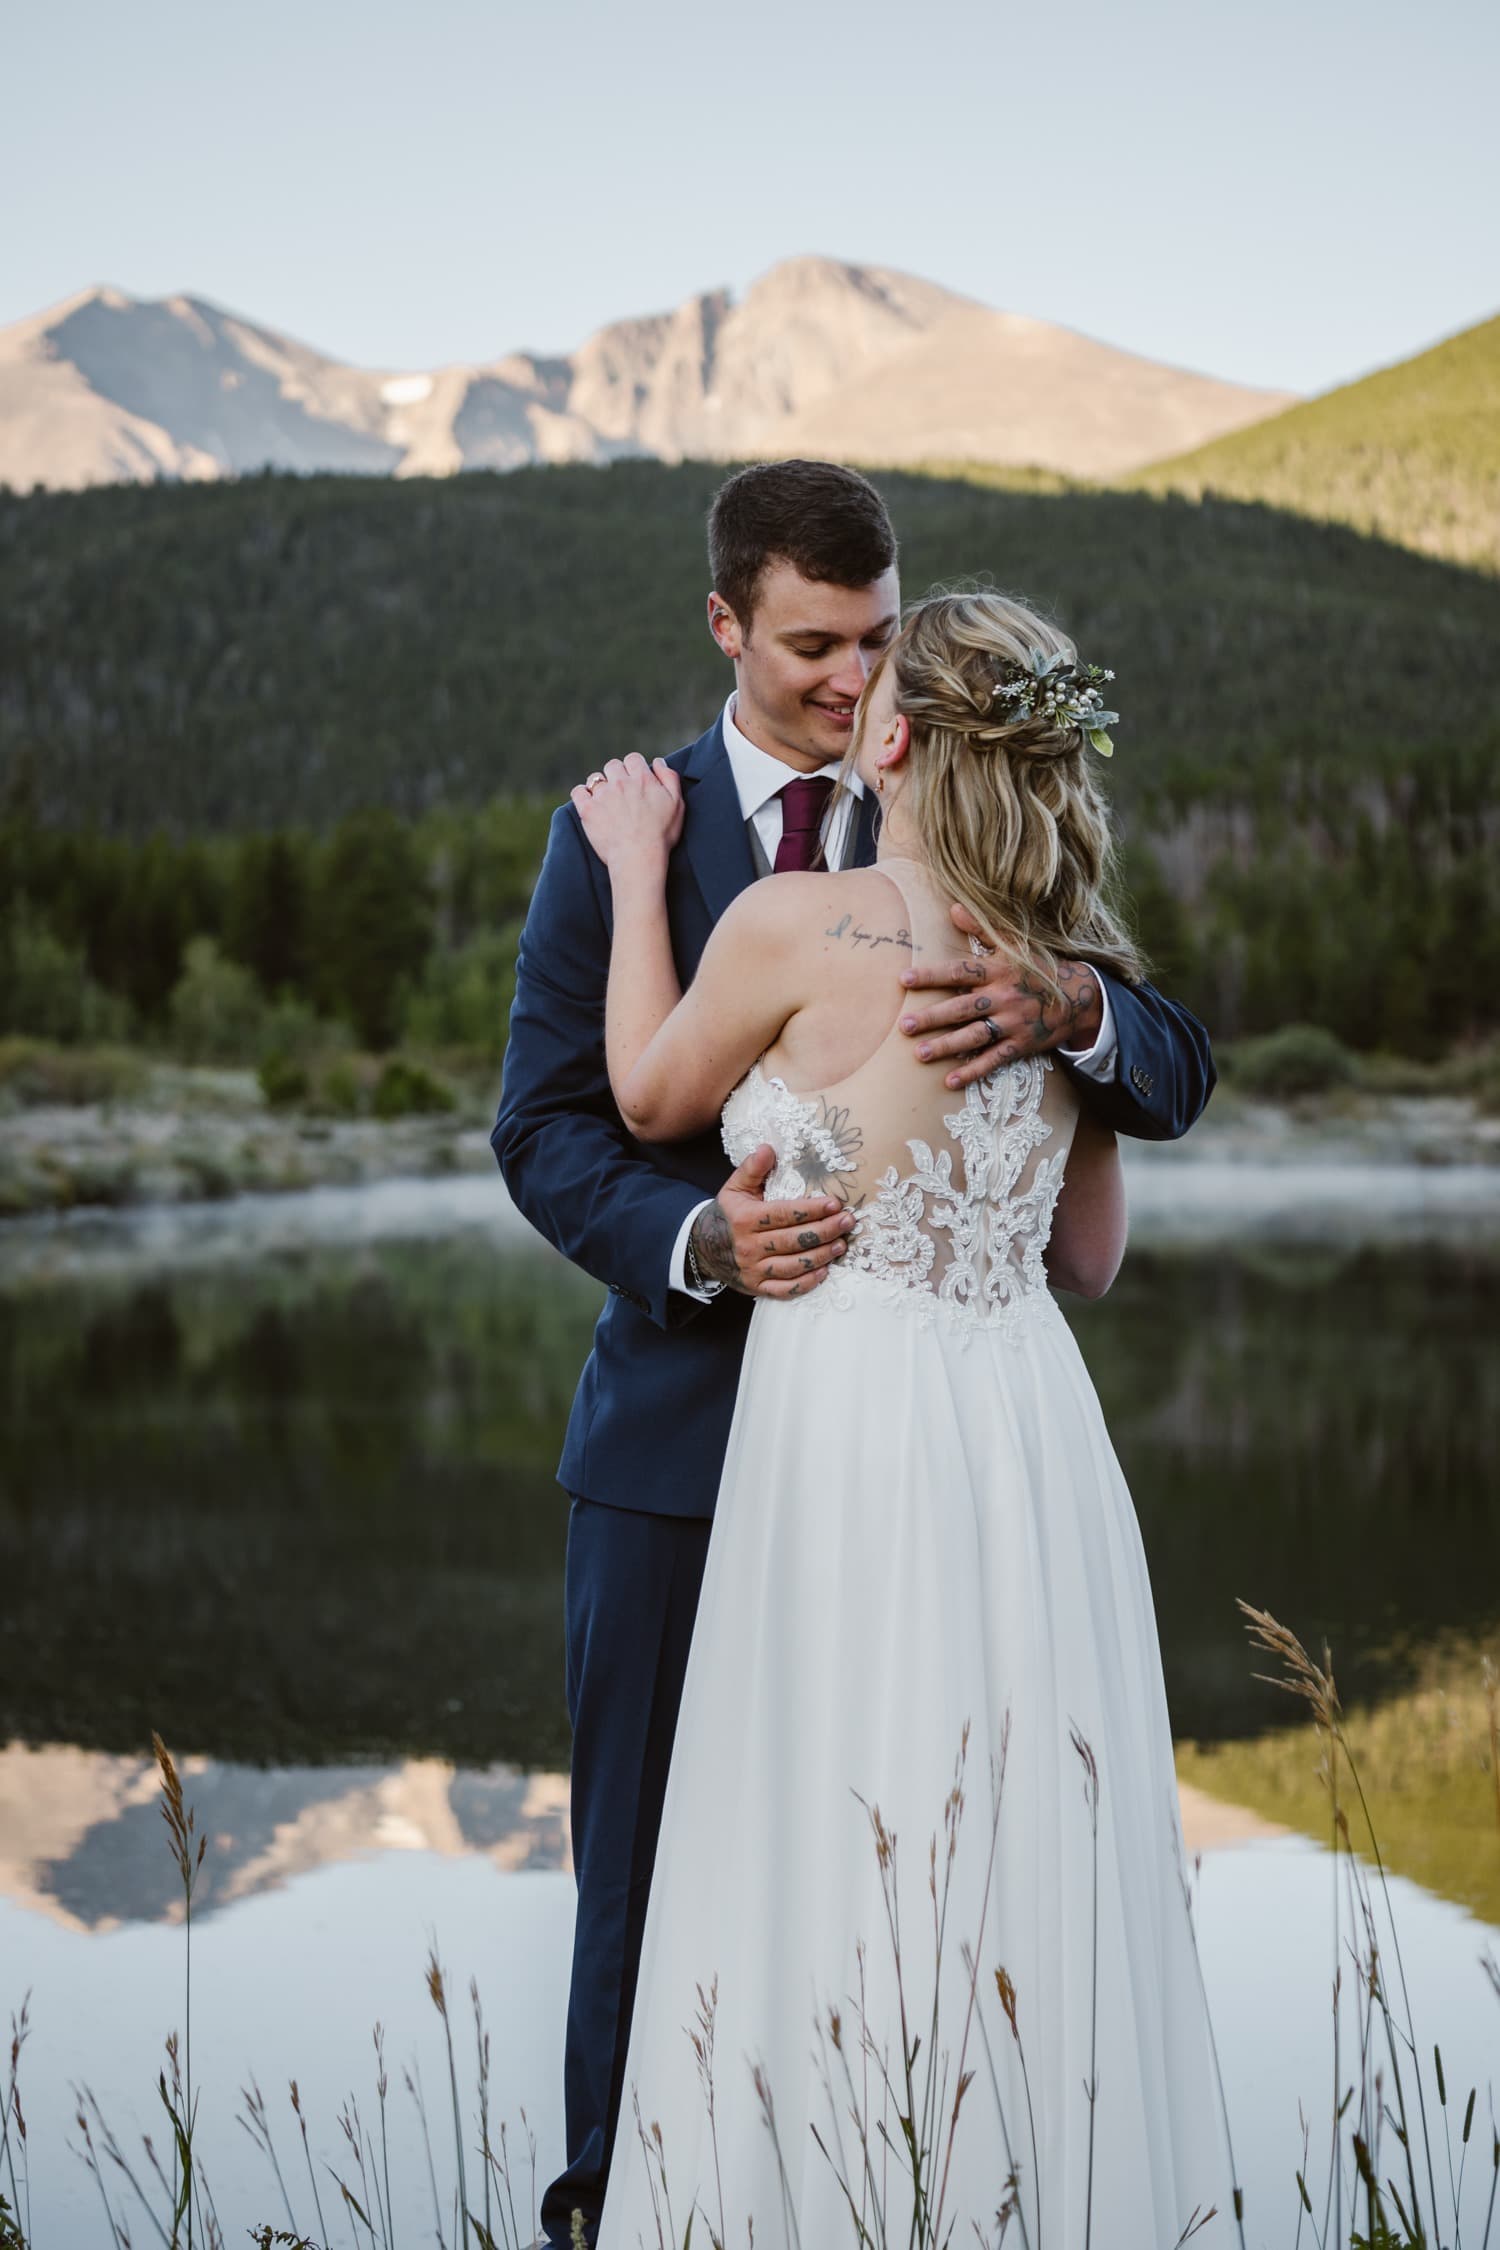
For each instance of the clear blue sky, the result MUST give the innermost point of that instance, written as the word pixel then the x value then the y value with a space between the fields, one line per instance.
pixel 1289 192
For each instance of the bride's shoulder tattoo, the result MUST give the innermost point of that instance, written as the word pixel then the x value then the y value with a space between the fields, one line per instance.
pixel 849 929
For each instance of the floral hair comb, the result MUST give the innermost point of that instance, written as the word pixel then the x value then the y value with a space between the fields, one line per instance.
pixel 1059 689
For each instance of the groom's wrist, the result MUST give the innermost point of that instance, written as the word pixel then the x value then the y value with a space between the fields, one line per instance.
pixel 703 1283
pixel 680 1276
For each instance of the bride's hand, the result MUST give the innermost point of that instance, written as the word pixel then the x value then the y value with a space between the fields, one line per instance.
pixel 631 813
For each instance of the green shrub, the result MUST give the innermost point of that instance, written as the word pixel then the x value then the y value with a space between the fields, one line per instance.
pixel 46 990
pixel 283 1080
pixel 465 995
pixel 36 1071
pixel 1485 1085
pixel 338 1091
pixel 216 1013
pixel 293 1027
pixel 1302 1058
pixel 405 1089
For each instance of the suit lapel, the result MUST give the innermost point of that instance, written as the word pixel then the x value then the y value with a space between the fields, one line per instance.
pixel 714 839
pixel 863 854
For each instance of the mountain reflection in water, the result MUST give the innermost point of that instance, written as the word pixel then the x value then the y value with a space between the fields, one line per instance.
pixel 81 1835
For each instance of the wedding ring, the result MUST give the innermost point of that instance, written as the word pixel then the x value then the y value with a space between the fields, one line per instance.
pixel 995 1033
pixel 593 781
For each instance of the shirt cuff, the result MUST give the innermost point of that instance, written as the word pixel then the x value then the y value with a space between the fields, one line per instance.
pixel 677 1272
pixel 1099 1061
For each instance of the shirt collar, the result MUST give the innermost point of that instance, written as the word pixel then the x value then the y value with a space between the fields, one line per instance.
pixel 759 777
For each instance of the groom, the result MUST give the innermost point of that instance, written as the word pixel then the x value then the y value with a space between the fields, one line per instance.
pixel 802 559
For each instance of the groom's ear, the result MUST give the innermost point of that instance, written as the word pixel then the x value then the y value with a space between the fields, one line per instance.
pixel 725 627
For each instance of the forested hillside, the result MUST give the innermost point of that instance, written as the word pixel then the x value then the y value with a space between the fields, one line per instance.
pixel 315 726
pixel 208 658
pixel 1411 454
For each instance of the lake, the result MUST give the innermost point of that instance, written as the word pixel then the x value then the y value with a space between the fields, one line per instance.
pixel 278 1483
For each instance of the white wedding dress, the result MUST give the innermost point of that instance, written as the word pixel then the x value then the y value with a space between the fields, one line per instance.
pixel 921 1527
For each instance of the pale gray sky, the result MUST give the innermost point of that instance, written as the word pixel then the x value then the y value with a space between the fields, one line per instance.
pixel 1287 193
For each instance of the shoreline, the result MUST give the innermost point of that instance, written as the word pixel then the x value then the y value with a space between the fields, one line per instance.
pixel 213 1139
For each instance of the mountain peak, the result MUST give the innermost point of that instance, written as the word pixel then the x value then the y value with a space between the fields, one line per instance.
pixel 820 354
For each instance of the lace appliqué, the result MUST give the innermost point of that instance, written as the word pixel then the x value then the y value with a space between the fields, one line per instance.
pixel 764 1110
pixel 992 1275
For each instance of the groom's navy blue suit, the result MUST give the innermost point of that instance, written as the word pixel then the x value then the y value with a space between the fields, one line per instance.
pixel 650 1423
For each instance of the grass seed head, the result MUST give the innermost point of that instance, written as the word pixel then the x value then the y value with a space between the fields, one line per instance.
pixel 436 1990
pixel 1301 1677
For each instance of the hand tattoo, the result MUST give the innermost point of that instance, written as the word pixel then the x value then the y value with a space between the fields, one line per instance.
pixel 1048 1021
pixel 1081 997
pixel 713 1244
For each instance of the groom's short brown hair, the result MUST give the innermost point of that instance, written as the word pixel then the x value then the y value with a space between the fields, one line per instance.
pixel 827 520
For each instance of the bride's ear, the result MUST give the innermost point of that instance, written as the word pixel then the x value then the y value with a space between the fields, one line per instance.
pixel 894 742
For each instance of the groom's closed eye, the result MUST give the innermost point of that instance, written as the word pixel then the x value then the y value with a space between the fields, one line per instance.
pixel 875 642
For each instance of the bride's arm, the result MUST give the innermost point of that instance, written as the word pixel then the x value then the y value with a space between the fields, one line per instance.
pixel 672 1057
pixel 1087 1240
pixel 633 820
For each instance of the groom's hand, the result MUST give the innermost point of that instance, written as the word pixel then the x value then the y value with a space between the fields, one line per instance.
pixel 1003 1011
pixel 768 1249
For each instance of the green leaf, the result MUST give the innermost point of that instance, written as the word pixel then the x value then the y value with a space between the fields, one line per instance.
pixel 1101 742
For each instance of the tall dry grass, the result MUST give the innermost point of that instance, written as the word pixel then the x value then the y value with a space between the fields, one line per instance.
pixel 1392 2176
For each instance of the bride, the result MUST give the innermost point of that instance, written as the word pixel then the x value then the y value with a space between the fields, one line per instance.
pixel 919 1957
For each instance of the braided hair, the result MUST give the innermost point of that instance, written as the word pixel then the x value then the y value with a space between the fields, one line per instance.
pixel 1001 787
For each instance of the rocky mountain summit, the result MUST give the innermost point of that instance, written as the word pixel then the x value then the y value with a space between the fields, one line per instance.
pixel 856 362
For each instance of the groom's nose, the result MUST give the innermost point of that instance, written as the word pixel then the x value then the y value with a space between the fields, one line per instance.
pixel 849 679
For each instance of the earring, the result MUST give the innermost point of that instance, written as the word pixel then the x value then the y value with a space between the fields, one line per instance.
pixel 879 783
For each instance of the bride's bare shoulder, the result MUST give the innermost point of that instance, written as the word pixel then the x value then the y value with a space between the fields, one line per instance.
pixel 861 889
pixel 860 910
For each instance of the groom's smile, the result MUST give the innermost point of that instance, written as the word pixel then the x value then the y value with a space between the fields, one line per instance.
pixel 802 659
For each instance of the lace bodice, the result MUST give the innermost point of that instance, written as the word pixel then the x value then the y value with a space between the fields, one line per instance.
pixel 953 1219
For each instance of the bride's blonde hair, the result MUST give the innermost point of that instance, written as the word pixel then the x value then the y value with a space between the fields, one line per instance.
pixel 1006 810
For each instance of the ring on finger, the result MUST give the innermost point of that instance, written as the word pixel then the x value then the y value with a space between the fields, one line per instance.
pixel 593 781
pixel 994 1031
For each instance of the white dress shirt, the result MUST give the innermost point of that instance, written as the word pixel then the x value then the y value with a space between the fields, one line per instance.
pixel 759 779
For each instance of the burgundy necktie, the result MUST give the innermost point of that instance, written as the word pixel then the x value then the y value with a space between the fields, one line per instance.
pixel 802 804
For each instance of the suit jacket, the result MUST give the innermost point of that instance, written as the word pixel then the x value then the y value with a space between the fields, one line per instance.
pixel 650 1421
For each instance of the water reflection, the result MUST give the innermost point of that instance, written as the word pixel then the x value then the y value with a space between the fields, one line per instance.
pixel 1315 1431
pixel 296 1511
pixel 302 1510
pixel 81 1838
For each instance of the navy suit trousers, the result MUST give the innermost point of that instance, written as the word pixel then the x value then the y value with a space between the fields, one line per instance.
pixel 631 1597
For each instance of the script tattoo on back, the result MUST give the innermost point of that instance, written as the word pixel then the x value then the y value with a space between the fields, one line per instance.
pixel 854 933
